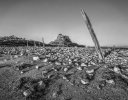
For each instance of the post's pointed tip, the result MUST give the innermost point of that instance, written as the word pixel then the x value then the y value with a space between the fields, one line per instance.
pixel 81 10
pixel 83 13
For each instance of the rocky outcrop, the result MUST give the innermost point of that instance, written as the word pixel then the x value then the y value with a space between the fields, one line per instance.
pixel 63 40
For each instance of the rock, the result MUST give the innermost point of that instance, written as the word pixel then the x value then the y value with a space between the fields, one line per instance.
pixel 45 60
pixel 84 81
pixel 21 54
pixel 76 64
pixel 116 70
pixel 17 68
pixel 40 83
pixel 50 75
pixel 70 62
pixel 54 95
pixel 27 93
pixel 64 77
pixel 65 69
pixel 43 72
pixel 57 63
pixel 21 72
pixel 110 81
pixel 83 65
pixel 35 58
pixel 92 63
pixel 64 64
pixel 15 56
pixel 90 71
pixel 37 67
pixel 75 60
pixel 79 68
pixel 54 69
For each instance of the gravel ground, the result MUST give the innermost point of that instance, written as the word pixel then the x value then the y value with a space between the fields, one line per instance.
pixel 63 74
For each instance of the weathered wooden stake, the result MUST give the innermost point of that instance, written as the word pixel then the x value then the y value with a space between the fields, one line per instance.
pixel 93 35
pixel 34 44
pixel 27 43
pixel 39 44
pixel 43 42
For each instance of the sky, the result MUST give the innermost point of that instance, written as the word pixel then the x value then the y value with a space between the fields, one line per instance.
pixel 34 19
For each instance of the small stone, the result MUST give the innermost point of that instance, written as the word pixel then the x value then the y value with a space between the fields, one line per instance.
pixel 71 83
pixel 35 58
pixel 40 83
pixel 100 99
pixel 90 71
pixel 64 64
pixel 55 70
pixel 26 93
pixel 70 62
pixel 92 63
pixel 45 60
pixel 57 63
pixel 43 72
pixel 64 78
pixel 54 95
pixel 84 81
pixel 16 56
pixel 83 65
pixel 79 68
pixel 65 69
pixel 21 72
pixel 21 54
pixel 17 68
pixel 110 81
pixel 116 70
pixel 49 76
pixel 37 67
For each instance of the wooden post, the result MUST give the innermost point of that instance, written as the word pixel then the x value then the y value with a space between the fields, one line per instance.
pixel 34 44
pixel 93 35
pixel 43 42
pixel 27 43
pixel 39 44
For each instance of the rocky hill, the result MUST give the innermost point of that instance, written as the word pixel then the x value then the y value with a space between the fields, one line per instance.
pixel 63 40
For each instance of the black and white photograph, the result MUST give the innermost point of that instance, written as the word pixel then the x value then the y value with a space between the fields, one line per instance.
pixel 63 49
